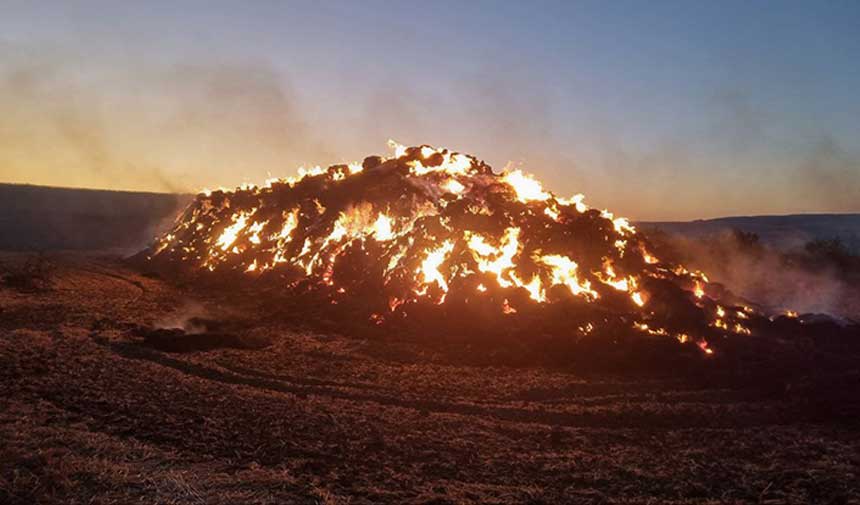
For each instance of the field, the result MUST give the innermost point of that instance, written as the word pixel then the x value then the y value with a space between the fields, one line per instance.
pixel 89 413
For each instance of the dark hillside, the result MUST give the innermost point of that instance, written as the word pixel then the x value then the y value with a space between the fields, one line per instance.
pixel 34 218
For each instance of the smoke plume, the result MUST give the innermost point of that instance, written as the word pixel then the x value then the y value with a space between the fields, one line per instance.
pixel 68 121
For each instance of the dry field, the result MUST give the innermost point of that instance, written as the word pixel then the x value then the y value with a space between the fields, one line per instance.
pixel 89 413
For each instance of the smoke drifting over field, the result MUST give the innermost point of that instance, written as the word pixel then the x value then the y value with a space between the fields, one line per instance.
pixel 152 127
pixel 818 278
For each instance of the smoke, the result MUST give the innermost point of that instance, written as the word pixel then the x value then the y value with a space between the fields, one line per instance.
pixel 820 175
pixel 187 317
pixel 52 126
pixel 503 117
pixel 779 280
pixel 740 155
pixel 71 121
pixel 737 121
pixel 829 174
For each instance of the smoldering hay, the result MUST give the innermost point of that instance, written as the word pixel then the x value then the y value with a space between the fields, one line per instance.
pixel 430 236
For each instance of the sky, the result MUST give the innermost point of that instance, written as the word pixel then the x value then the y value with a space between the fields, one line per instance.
pixel 657 110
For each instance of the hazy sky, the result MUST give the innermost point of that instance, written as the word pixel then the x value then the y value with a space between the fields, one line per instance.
pixel 656 110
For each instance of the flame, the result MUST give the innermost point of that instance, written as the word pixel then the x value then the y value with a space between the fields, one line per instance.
pixel 430 266
pixel 699 290
pixel 495 260
pixel 382 228
pixel 451 226
pixel 736 327
pixel 231 233
pixel 526 187
pixel 578 202
pixel 563 272
pixel 552 212
pixel 534 287
pixel 290 223
pixel 647 257
pixel 451 163
pixel 254 231
pixel 739 328
pixel 609 277
pixel 622 225
pixel 399 149
pixel 452 186
pixel 651 331
pixel 395 302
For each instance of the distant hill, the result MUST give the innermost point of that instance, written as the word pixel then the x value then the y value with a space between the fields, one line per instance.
pixel 784 232
pixel 44 218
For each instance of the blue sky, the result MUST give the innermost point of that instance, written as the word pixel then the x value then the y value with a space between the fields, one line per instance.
pixel 657 110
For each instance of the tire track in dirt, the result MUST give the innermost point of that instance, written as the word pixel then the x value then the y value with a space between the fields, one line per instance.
pixel 704 417
pixel 301 381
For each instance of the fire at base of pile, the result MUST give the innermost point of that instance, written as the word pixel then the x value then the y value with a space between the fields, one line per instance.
pixel 434 242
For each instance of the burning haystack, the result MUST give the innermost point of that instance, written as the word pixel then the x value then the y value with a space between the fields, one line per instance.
pixel 433 236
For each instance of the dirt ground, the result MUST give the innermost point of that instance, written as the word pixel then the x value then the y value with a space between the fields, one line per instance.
pixel 89 414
